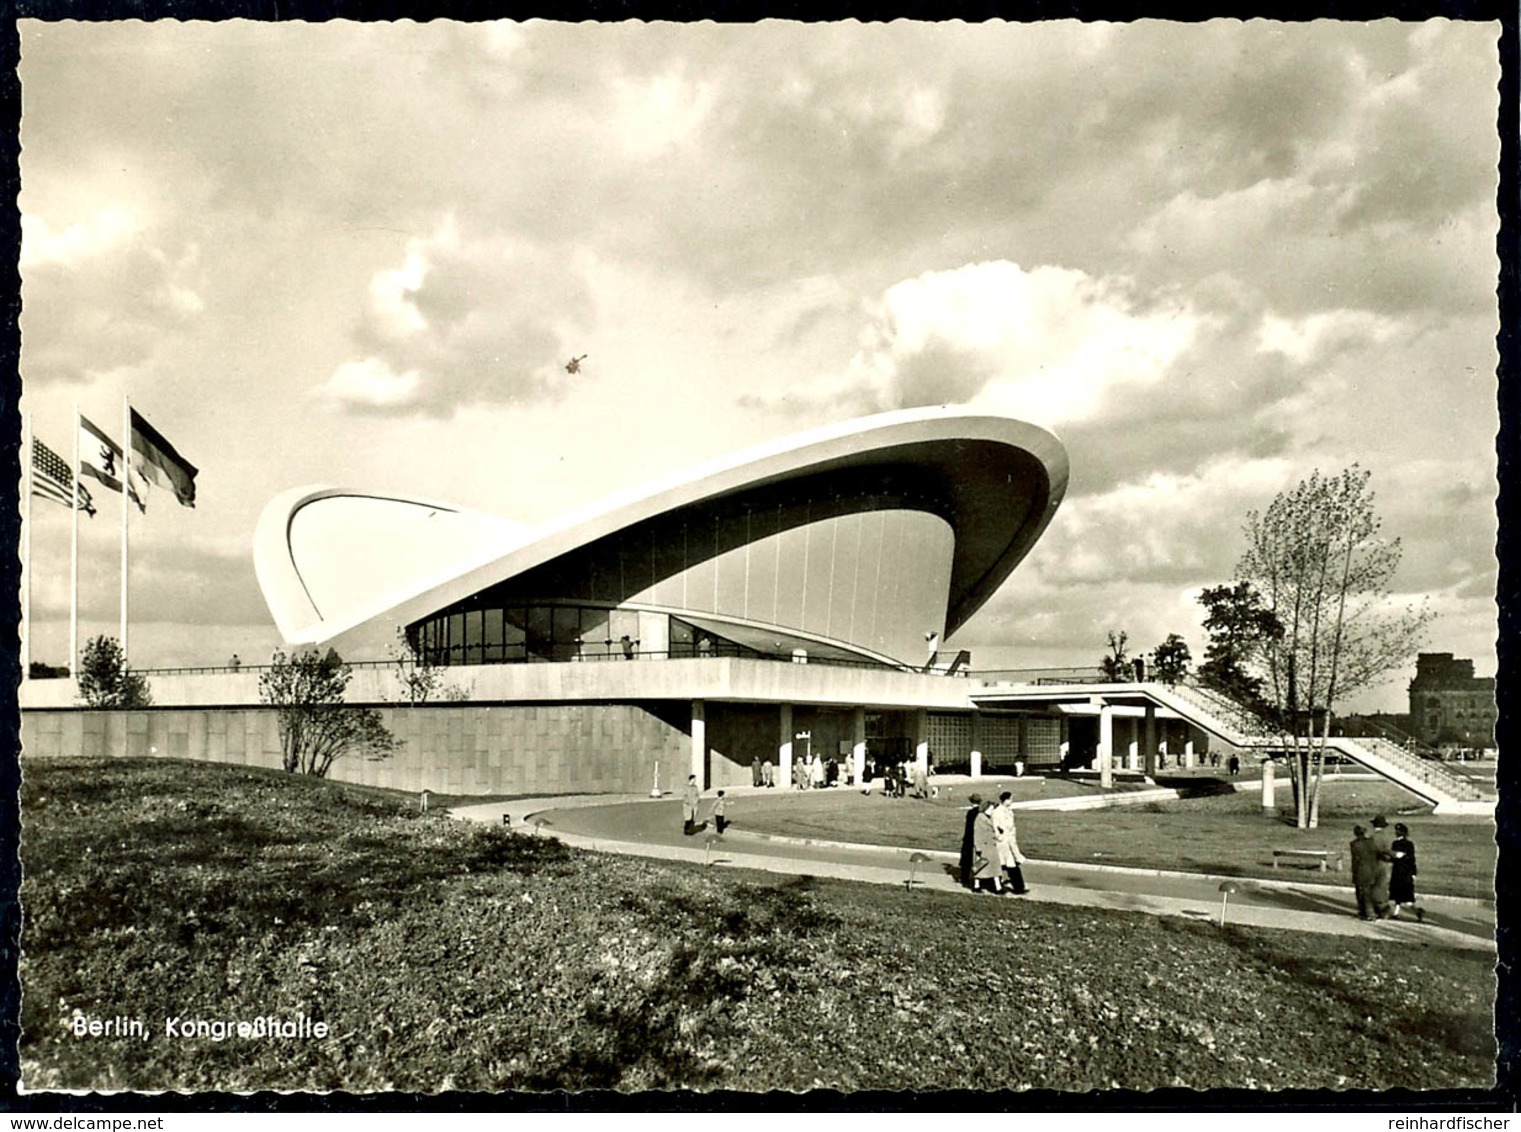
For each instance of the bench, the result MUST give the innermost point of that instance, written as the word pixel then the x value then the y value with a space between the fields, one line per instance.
pixel 1319 856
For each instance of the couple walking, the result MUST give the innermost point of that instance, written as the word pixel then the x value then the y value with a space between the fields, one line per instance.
pixel 1384 870
pixel 990 856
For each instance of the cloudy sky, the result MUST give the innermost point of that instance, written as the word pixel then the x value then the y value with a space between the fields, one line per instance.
pixel 1210 257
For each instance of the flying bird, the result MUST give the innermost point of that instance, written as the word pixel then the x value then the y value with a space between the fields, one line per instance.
pixel 574 365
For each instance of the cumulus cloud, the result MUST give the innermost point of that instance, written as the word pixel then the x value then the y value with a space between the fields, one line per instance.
pixel 1302 340
pixel 101 293
pixel 370 383
pixel 658 114
pixel 1048 344
pixel 107 229
pixel 461 322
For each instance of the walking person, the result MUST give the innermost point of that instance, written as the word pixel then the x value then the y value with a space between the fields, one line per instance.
pixel 985 852
pixel 1364 872
pixel 691 794
pixel 755 771
pixel 1383 844
pixel 1402 876
pixel 968 842
pixel 1009 857
pixel 720 817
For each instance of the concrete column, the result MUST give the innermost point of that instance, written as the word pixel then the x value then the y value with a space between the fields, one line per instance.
pixel 921 739
pixel 1189 759
pixel 1106 747
pixel 858 745
pixel 1149 739
pixel 1133 751
pixel 784 751
pixel 699 743
pixel 1269 795
pixel 976 744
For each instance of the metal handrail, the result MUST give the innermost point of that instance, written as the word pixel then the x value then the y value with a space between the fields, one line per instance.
pixel 1388 731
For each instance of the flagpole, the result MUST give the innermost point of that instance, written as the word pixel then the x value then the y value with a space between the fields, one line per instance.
pixel 74 564
pixel 126 487
pixel 26 548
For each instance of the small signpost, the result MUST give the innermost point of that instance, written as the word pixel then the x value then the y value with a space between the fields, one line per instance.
pixel 914 861
pixel 1225 895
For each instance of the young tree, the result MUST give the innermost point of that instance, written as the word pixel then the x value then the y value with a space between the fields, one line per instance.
pixel 1324 573
pixel 1238 628
pixel 1170 659
pixel 1117 667
pixel 316 727
pixel 105 681
pixel 419 677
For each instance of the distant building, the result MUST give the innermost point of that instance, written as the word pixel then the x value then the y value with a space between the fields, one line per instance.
pixel 1449 705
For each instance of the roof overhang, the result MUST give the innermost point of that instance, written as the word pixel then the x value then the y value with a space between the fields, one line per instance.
pixel 480 550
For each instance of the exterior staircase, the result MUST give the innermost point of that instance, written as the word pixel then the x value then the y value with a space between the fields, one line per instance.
pixel 1231 721
pixel 1451 793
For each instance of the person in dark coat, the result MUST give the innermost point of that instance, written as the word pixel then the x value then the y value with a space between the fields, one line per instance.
pixel 1383 842
pixel 974 807
pixel 1364 872
pixel 755 771
pixel 1402 875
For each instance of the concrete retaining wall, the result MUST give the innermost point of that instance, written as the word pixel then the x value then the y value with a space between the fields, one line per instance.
pixel 451 749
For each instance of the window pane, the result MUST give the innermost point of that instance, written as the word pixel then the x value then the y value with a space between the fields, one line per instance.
pixel 456 638
pixel 539 626
pixel 513 636
pixel 473 637
pixel 493 634
pixel 682 638
pixel 567 624
pixel 594 632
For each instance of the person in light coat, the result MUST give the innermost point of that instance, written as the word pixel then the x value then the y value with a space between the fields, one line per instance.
pixel 985 852
pixel 691 794
pixel 1009 857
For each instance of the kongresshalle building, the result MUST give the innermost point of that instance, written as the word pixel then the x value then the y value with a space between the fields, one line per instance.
pixel 781 602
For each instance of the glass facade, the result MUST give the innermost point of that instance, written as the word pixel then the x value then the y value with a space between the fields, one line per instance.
pixel 564 633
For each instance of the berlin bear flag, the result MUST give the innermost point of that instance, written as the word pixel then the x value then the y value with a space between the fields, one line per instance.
pixel 161 463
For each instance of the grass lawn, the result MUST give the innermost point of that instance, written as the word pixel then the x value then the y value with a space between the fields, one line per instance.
pixel 1225 833
pixel 444 955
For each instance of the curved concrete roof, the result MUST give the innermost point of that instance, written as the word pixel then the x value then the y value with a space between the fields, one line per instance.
pixel 412 557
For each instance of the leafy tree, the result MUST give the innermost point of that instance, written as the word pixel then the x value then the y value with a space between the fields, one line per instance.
pixel 1324 572
pixel 105 681
pixel 1238 628
pixel 1170 659
pixel 1116 666
pixel 316 727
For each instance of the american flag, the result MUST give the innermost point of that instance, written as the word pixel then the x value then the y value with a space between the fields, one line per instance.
pixel 52 479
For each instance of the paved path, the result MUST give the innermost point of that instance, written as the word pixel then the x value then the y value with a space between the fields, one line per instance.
pixel 647 827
